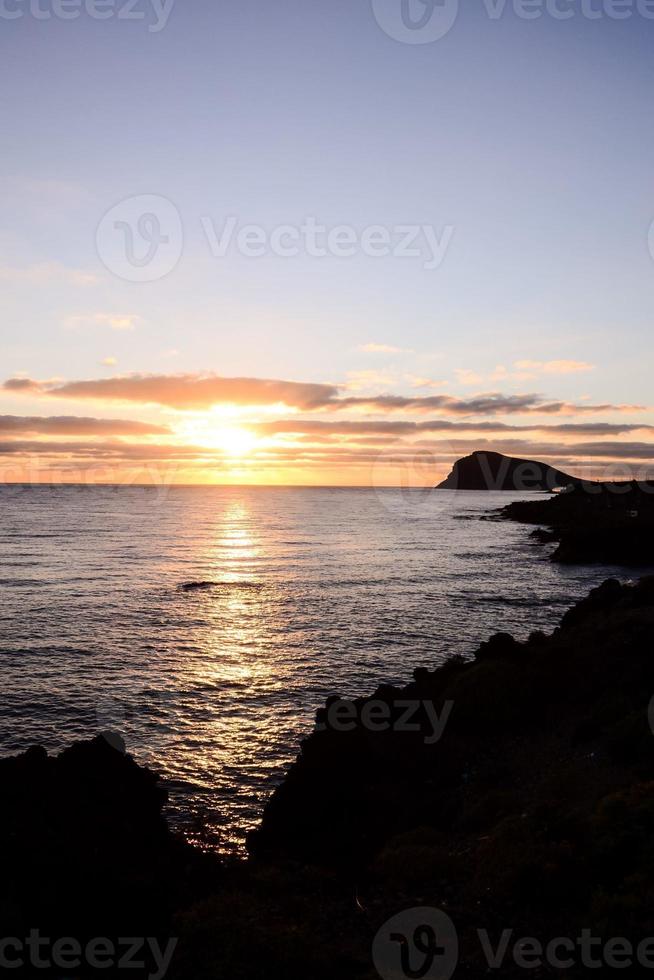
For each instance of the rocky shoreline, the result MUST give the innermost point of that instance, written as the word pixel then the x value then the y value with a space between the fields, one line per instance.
pixel 607 523
pixel 527 804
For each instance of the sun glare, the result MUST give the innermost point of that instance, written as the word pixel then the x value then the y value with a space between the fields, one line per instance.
pixel 234 440
pixel 213 433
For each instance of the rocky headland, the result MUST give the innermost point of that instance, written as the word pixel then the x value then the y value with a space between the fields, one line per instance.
pixel 608 523
pixel 493 471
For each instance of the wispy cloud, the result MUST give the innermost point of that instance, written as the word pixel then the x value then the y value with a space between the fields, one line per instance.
pixel 23 386
pixel 334 455
pixel 521 371
pixel 418 382
pixel 115 321
pixel 68 425
pixel 44 273
pixel 554 367
pixel 491 403
pixel 373 348
pixel 319 428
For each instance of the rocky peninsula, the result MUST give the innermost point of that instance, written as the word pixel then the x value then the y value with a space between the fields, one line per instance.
pixel 608 523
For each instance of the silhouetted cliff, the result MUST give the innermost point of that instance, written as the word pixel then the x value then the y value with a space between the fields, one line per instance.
pixel 493 471
pixel 85 851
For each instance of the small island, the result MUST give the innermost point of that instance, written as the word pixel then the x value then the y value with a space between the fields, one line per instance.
pixel 493 471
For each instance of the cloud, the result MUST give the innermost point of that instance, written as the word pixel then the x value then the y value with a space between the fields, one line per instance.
pixel 108 362
pixel 373 348
pixel 418 382
pixel 69 425
pixel 22 385
pixel 492 403
pixel 408 428
pixel 110 460
pixel 522 371
pixel 114 451
pixel 115 321
pixel 43 273
pixel 187 391
pixel 537 450
pixel 554 367
pixel 197 392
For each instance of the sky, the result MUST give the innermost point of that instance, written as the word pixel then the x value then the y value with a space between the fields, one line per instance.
pixel 335 242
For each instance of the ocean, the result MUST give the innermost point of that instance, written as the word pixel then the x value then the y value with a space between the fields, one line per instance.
pixel 307 593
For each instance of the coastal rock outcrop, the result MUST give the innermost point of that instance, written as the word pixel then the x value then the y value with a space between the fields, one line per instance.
pixel 494 471
pixel 608 523
pixel 534 811
pixel 84 848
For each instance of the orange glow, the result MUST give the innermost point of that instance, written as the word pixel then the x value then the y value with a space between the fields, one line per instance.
pixel 234 440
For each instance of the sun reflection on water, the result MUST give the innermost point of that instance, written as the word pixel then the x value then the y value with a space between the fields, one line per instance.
pixel 232 662
pixel 235 542
pixel 298 595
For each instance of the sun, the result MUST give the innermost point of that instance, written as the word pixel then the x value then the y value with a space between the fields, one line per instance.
pixel 233 440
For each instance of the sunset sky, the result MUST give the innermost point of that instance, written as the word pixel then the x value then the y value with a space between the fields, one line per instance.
pixel 371 258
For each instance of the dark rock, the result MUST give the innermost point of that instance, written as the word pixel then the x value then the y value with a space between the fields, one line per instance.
pixel 500 646
pixel 535 810
pixel 198 586
pixel 607 523
pixel 84 848
pixel 493 471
